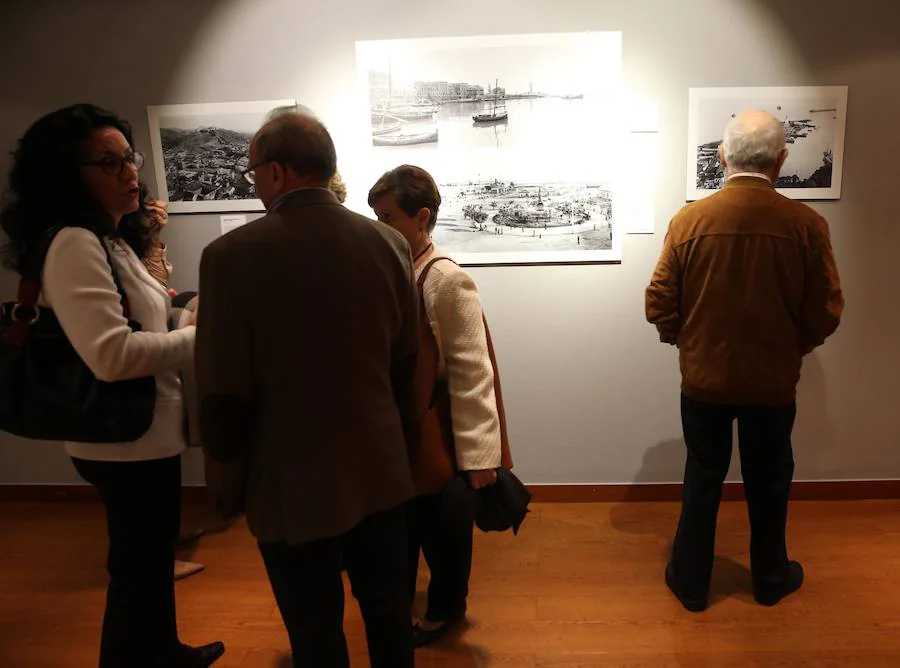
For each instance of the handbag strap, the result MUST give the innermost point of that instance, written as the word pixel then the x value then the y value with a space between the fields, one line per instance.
pixel 30 288
pixel 420 284
pixel 498 392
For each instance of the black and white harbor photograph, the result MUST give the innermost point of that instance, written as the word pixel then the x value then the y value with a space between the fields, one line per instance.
pixel 199 151
pixel 814 120
pixel 509 91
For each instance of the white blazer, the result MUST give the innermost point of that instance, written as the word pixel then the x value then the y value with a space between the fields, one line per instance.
pixel 79 287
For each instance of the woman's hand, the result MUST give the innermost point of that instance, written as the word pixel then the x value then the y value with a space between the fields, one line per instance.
pixel 479 479
pixel 159 210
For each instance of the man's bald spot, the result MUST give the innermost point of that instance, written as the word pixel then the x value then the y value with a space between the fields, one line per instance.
pixel 756 121
pixel 754 140
pixel 301 142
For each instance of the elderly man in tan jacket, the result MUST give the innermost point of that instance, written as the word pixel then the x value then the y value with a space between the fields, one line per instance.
pixel 746 285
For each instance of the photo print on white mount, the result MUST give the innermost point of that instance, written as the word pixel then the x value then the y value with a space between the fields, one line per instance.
pixel 501 208
pixel 495 91
pixel 522 133
pixel 199 151
pixel 814 120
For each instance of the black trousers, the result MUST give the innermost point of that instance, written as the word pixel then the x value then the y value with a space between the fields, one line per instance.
pixel 440 528
pixel 309 589
pixel 767 466
pixel 143 518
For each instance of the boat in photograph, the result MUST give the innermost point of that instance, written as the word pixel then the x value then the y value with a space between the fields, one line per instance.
pixel 405 112
pixel 497 113
pixel 503 120
pixel 411 139
pixel 385 129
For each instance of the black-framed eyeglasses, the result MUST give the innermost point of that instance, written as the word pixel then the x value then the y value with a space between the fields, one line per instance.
pixel 249 174
pixel 113 165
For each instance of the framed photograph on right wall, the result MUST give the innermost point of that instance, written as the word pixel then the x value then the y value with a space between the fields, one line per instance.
pixel 814 120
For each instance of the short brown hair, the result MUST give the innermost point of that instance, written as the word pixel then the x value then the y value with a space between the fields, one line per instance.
pixel 413 188
pixel 301 142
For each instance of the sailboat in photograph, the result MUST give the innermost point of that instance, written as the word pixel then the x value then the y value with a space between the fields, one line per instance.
pixel 391 123
pixel 497 113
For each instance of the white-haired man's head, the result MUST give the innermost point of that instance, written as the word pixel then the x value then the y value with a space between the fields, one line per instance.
pixel 754 142
pixel 295 108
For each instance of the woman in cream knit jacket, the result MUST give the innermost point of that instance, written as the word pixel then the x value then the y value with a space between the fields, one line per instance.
pixel 407 199
pixel 76 169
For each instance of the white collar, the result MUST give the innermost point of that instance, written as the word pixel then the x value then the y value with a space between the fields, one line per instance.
pixel 753 175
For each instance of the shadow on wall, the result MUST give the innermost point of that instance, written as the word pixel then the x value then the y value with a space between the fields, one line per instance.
pixel 112 53
pixel 822 33
pixel 663 463
pixel 814 446
pixel 814 439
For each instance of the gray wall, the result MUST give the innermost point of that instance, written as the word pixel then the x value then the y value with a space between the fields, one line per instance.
pixel 600 404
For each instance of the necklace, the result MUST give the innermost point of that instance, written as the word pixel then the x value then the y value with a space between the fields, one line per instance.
pixel 423 251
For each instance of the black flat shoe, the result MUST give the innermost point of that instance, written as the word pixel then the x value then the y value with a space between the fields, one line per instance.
pixel 421 637
pixel 202 656
pixel 690 604
pixel 769 594
pixel 188 537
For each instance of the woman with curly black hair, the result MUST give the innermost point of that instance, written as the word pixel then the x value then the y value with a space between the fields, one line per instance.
pixel 73 180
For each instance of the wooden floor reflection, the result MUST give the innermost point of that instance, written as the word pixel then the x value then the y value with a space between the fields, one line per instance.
pixel 582 585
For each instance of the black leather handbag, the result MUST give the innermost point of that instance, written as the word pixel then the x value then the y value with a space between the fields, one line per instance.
pixel 47 392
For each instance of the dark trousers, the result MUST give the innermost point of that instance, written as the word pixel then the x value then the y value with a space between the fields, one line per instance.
pixel 767 466
pixel 143 517
pixel 308 587
pixel 441 527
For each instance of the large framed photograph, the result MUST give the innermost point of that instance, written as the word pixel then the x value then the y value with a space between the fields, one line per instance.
pixel 492 91
pixel 521 132
pixel 502 208
pixel 199 150
pixel 492 221
pixel 814 120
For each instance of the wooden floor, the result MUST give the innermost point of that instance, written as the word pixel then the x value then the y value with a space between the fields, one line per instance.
pixel 582 585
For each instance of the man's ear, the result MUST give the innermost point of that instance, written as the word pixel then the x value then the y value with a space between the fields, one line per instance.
pixel 722 156
pixel 424 216
pixel 781 158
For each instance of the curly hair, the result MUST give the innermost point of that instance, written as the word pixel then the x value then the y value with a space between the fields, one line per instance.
pixel 140 229
pixel 46 189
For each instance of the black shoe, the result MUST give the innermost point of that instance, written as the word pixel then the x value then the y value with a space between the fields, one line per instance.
pixel 421 637
pixel 202 656
pixel 188 537
pixel 690 604
pixel 769 594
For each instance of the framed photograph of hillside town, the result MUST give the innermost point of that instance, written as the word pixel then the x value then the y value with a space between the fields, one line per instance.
pixel 199 151
pixel 523 133
pixel 814 120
